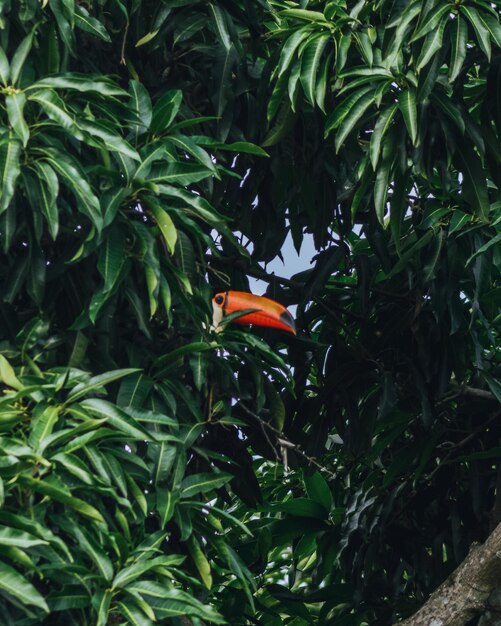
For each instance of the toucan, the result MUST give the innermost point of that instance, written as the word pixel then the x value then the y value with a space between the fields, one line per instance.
pixel 265 312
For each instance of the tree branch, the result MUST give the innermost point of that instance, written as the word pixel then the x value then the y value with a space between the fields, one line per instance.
pixel 466 591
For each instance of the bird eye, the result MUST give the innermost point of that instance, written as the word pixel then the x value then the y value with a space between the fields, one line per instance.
pixel 219 299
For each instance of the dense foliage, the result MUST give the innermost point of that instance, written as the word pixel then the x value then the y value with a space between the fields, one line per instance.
pixel 155 152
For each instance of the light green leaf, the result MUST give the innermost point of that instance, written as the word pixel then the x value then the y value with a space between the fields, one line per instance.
pixel 165 224
pixel 201 562
pixel 305 15
pixel 4 68
pixel 19 538
pixel 8 376
pixel 146 38
pixel 15 585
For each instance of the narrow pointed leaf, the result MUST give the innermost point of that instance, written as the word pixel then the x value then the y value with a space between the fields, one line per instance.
pixel 407 106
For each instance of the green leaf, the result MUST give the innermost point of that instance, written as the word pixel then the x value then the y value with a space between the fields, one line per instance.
pixel 102 602
pixel 8 376
pixel 142 105
pixel 80 82
pixel 431 21
pixel 289 48
pixel 166 503
pixel 459 39
pixel 344 109
pixel 133 614
pixel 165 224
pixel 384 121
pixel 75 180
pixel 112 258
pixel 483 35
pixel 98 382
pixel 15 105
pixel 48 192
pixel 201 562
pixel 64 12
pixel 90 24
pixel 448 106
pixel 492 242
pixel 91 547
pixel 474 185
pixel 146 38
pixel 19 538
pixel 350 120
pixel 171 602
pixel 55 109
pixel 10 151
pixel 305 15
pixel 165 111
pixel 458 220
pixel 19 58
pixel 202 483
pixel 103 409
pixel 407 106
pixel 131 573
pixel 61 494
pixel 310 61
pixel 493 26
pixel 14 585
pixel 42 426
pixel 110 139
pixel 4 68
pixel 318 489
pixel 190 147
pixel 432 44
pixel 219 20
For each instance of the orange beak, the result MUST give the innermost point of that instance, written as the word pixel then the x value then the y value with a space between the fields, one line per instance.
pixel 266 312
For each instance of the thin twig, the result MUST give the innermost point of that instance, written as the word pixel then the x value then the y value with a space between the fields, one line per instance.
pixel 283 441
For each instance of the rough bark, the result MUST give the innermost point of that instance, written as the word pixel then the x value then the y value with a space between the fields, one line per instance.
pixel 465 593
